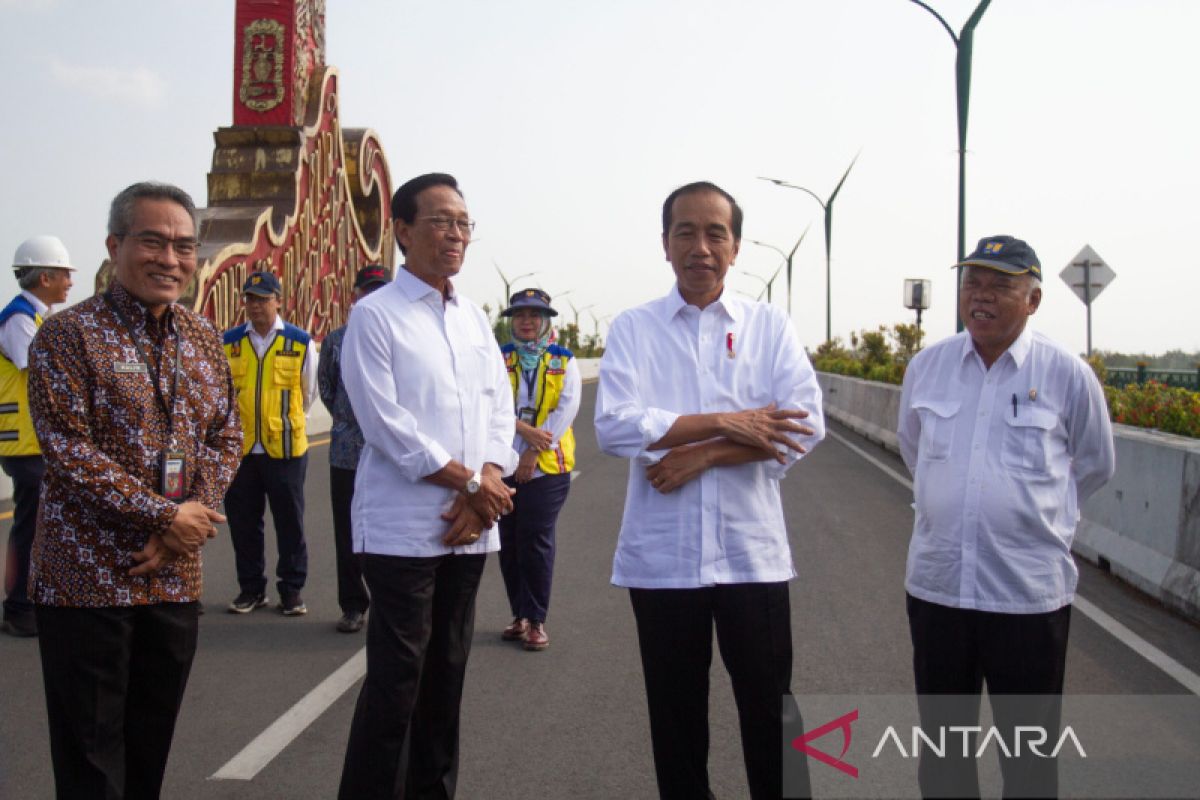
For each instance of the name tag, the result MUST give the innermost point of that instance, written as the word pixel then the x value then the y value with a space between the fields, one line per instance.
pixel 129 367
pixel 289 353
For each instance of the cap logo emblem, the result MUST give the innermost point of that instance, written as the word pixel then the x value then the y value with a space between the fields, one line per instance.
pixel 993 247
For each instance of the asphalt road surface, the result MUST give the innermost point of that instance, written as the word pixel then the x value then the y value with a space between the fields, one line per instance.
pixel 269 703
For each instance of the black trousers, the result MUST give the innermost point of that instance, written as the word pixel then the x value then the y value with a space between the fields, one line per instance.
pixel 956 651
pixel 352 592
pixel 26 473
pixel 280 481
pixel 527 544
pixel 418 640
pixel 754 633
pixel 114 679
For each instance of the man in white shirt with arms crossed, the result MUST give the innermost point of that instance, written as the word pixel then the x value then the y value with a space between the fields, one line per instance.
pixel 704 393
pixel 1006 434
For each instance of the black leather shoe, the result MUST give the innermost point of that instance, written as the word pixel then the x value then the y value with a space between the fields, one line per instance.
pixel 351 622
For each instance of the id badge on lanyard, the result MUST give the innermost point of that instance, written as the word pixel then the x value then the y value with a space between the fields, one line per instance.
pixel 174 475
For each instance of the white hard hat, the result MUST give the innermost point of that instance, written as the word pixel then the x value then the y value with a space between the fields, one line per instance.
pixel 42 251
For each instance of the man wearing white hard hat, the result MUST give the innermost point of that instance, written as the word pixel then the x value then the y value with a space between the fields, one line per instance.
pixel 43 271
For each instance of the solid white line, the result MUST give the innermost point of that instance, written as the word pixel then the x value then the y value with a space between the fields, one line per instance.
pixel 271 742
pixel 1189 679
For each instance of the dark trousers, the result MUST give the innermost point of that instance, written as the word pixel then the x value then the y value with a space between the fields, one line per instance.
pixel 527 544
pixel 280 481
pixel 352 592
pixel 418 641
pixel 26 473
pixel 114 679
pixel 957 650
pixel 754 633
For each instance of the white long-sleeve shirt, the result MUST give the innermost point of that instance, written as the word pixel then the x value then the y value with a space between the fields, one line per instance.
pixel 428 384
pixel 18 331
pixel 666 359
pixel 1001 460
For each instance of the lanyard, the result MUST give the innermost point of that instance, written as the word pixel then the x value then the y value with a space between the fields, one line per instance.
pixel 152 369
pixel 530 376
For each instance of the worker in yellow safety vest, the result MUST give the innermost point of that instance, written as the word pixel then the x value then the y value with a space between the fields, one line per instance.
pixel 43 270
pixel 275 376
pixel 546 387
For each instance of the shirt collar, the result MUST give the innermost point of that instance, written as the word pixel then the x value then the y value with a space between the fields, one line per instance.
pixel 36 302
pixel 1017 351
pixel 673 303
pixel 135 310
pixel 416 289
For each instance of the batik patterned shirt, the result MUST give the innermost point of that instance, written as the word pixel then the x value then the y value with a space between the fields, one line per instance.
pixel 103 430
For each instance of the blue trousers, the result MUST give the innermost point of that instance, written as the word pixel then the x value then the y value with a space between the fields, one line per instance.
pixel 527 544
pixel 280 481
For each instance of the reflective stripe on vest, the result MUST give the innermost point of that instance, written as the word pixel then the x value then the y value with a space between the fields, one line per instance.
pixel 270 391
pixel 17 437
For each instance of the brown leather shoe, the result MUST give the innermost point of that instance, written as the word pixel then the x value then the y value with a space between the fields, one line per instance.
pixel 516 631
pixel 536 639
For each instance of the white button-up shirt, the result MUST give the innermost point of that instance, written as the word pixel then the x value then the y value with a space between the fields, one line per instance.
pixel 666 359
pixel 308 370
pixel 1001 458
pixel 428 384
pixel 18 331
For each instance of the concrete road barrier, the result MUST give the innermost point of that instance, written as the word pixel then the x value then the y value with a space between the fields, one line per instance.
pixel 1144 526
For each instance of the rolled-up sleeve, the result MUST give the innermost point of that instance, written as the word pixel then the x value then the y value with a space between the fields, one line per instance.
pixel 625 427
pixel 370 381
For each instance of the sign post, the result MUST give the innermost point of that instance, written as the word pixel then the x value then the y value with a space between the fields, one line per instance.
pixel 1087 275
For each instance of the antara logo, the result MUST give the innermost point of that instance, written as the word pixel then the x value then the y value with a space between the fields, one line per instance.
pixel 1026 738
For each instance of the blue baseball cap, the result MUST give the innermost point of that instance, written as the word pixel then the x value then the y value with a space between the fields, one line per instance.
pixel 1004 254
pixel 263 284
pixel 529 298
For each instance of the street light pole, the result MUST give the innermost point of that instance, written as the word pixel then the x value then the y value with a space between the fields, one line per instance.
pixel 827 206
pixel 964 44
pixel 767 284
pixel 509 283
pixel 787 260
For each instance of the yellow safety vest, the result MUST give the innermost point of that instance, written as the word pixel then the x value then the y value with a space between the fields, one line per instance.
pixel 16 426
pixel 270 392
pixel 547 388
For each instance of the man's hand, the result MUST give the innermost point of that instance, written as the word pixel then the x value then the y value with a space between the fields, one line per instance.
pixel 536 438
pixel 765 427
pixel 680 465
pixel 153 557
pixel 466 526
pixel 193 524
pixel 525 466
pixel 493 498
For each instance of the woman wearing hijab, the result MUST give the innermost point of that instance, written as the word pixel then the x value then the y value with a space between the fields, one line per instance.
pixel 546 388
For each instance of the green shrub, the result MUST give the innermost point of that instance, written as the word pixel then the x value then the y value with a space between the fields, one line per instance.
pixel 1152 405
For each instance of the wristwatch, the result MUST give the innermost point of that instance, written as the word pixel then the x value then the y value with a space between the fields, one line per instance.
pixel 473 483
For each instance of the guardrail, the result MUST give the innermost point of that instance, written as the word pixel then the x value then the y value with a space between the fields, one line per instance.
pixel 1183 378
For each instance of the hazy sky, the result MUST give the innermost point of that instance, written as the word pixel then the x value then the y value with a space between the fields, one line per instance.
pixel 567 123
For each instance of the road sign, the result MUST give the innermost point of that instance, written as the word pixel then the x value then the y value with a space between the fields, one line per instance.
pixel 1087 274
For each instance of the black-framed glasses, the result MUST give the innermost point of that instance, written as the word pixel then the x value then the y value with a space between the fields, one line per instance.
pixel 439 223
pixel 157 244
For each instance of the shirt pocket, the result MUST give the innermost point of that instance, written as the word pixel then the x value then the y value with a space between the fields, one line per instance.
pixel 937 427
pixel 483 363
pixel 286 372
pixel 1027 439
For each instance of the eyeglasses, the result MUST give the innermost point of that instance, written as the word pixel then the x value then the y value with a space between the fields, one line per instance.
pixel 465 226
pixel 156 244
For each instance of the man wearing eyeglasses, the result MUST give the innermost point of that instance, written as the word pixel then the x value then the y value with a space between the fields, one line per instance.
pixel 133 405
pixel 276 378
pixel 43 271
pixel 431 394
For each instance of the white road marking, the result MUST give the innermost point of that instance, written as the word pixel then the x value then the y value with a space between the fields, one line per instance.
pixel 271 742
pixel 1137 644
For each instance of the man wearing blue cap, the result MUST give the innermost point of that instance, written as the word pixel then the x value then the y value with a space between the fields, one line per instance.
pixel 276 381
pixel 1006 434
